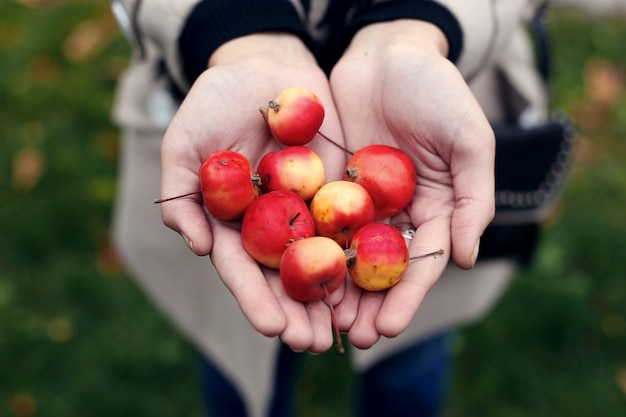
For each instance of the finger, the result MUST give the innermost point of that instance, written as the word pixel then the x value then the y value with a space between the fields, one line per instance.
pixel 184 215
pixel 187 217
pixel 321 324
pixel 298 332
pixel 346 310
pixel 309 325
pixel 245 280
pixel 363 333
pixel 472 170
pixel 403 299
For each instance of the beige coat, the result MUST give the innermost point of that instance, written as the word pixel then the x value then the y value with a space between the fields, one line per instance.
pixel 187 289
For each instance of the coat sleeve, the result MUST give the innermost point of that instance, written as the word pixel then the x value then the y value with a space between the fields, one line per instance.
pixel 186 32
pixel 430 11
pixel 213 22
pixel 488 26
pixel 155 25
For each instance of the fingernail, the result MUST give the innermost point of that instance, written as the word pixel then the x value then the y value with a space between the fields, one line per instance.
pixel 475 253
pixel 188 242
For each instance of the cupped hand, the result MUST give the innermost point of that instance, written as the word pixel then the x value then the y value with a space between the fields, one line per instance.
pixel 221 111
pixel 394 86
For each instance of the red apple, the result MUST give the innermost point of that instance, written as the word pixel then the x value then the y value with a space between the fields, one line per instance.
pixel 296 168
pixel 339 209
pixel 295 116
pixel 312 268
pixel 387 173
pixel 271 222
pixel 377 257
pixel 228 184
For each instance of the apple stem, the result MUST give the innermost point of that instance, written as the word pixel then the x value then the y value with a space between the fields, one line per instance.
pixel 350 257
pixel 291 222
pixel 319 132
pixel 333 318
pixel 352 173
pixel 433 254
pixel 345 233
pixel 256 179
pixel 274 105
pixel 163 200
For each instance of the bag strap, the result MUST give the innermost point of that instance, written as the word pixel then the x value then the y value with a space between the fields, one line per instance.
pixel 540 33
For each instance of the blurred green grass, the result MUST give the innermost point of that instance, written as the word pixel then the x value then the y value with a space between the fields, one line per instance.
pixel 78 338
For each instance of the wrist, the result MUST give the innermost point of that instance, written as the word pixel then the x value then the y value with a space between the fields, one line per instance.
pixel 280 47
pixel 419 35
pixel 212 24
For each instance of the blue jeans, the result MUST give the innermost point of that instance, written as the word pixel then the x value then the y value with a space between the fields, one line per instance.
pixel 411 383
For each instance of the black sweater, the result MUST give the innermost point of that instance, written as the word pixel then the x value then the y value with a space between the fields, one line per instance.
pixel 214 22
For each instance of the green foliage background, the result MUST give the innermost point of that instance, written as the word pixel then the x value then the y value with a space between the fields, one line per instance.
pixel 78 338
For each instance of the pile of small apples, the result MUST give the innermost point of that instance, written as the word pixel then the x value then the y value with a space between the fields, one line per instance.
pixel 312 231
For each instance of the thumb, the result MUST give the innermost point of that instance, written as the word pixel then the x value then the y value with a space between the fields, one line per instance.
pixel 468 224
pixel 187 217
pixel 181 207
pixel 474 188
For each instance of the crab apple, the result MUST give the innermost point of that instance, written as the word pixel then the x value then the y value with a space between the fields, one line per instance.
pixel 295 116
pixel 271 222
pixel 387 173
pixel 377 257
pixel 295 168
pixel 312 268
pixel 228 184
pixel 339 209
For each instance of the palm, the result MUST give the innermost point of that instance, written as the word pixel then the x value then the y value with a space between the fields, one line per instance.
pixel 422 105
pixel 221 111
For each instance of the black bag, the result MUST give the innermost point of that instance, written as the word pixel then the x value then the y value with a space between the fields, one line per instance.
pixel 531 168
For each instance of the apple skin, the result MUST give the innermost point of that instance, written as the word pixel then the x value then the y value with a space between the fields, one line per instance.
pixel 387 173
pixel 296 168
pixel 271 222
pixel 308 265
pixel 295 116
pixel 339 209
pixel 228 184
pixel 377 257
